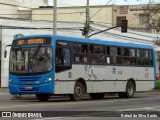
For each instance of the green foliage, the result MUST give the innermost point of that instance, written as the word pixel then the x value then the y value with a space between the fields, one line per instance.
pixel 158 58
pixel 158 84
pixel 153 12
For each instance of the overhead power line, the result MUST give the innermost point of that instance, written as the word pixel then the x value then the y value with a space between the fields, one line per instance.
pixel 100 9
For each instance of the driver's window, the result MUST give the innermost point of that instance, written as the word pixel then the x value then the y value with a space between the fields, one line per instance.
pixel 63 56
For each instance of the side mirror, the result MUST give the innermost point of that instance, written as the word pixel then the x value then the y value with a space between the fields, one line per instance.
pixel 5 53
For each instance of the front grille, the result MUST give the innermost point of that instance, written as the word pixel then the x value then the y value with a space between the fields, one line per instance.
pixel 28 79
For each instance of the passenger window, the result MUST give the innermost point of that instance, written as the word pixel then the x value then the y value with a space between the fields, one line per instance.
pixel 81 58
pixel 128 56
pixel 63 56
pixel 113 55
pixel 98 49
pixel 97 59
pixel 77 47
pixel 91 48
pixel 151 57
pixel 143 57
pixel 84 48
pixel 142 53
pixel 115 51
pixel 108 50
pixel 126 52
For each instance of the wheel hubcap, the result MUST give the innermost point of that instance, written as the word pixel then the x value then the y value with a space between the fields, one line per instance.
pixel 130 90
pixel 78 91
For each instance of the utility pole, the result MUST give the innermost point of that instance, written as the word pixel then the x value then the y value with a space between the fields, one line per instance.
pixel 87 25
pixel 55 18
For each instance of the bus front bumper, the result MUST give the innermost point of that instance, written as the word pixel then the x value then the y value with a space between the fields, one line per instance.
pixel 46 88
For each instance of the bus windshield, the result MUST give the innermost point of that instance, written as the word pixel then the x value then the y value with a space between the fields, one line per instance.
pixel 30 60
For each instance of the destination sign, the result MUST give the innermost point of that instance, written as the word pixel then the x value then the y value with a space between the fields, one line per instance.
pixel 32 41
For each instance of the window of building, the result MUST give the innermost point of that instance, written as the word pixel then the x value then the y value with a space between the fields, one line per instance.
pixel 143 19
pixel 119 20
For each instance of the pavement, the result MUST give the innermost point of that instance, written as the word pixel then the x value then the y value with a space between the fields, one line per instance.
pixel 4 90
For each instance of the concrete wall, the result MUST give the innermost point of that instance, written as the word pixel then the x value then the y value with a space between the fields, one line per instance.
pixel 19 8
pixel 75 14
pixel 25 3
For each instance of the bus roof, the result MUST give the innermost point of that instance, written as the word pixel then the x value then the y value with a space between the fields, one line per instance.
pixel 94 41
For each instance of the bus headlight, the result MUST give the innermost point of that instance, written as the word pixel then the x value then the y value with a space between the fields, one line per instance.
pixel 10 80
pixel 49 79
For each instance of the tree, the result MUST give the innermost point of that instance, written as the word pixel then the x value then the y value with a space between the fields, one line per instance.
pixel 153 12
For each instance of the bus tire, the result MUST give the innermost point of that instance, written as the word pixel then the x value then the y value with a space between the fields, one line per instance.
pixel 130 89
pixel 43 97
pixel 97 95
pixel 78 92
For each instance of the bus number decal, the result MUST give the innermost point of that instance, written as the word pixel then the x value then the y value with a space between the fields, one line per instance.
pixel 20 42
pixel 113 70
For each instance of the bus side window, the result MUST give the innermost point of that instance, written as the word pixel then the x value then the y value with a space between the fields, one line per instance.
pixel 66 56
pixel 84 48
pixel 59 59
pixel 91 49
pixel 63 56
pixel 151 57
pixel 115 52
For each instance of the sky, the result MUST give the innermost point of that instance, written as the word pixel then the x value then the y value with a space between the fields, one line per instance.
pixel 62 3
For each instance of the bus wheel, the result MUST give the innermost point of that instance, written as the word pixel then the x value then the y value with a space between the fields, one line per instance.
pixel 42 97
pixel 130 89
pixel 78 92
pixel 97 95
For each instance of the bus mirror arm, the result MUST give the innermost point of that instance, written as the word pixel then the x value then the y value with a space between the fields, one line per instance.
pixel 5 51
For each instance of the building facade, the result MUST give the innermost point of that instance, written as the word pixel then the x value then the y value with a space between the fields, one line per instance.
pixel 19 8
pixel 75 14
pixel 109 16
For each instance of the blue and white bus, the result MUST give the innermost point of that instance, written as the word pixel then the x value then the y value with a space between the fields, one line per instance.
pixel 48 65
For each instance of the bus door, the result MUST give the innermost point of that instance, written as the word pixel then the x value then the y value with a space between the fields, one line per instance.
pixel 63 56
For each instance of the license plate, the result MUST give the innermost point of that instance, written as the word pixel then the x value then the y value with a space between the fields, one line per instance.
pixel 28 87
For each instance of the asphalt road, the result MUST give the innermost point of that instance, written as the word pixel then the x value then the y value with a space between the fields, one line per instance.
pixel 110 107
